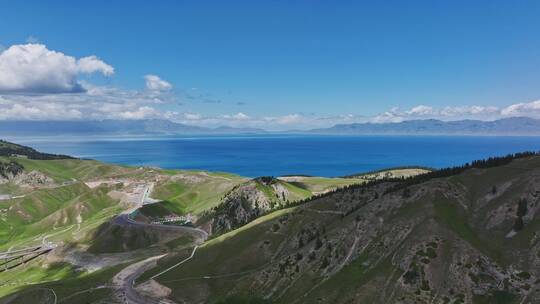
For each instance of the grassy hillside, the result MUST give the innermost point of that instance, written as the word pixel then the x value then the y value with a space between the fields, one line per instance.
pixel 69 169
pixel 194 191
pixel 51 210
pixel 317 185
pixel 444 240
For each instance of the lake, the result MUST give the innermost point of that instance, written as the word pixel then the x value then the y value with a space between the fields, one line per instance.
pixel 282 155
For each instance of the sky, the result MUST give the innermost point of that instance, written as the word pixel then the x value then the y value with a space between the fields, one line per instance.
pixel 278 65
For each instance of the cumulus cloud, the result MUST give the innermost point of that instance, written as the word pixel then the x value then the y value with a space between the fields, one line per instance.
pixel 421 110
pixel 240 116
pixel 154 83
pixel 523 109
pixel 10 110
pixel 444 113
pixel 32 68
pixel 92 64
pixel 191 116
pixel 289 119
pixel 144 112
pixel 111 105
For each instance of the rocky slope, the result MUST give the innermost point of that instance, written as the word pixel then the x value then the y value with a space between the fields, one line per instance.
pixel 13 172
pixel 251 200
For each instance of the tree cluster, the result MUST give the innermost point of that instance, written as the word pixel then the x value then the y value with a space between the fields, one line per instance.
pixel 11 168
pixel 10 149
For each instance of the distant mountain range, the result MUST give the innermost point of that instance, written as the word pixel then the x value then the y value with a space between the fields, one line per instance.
pixel 113 127
pixel 507 126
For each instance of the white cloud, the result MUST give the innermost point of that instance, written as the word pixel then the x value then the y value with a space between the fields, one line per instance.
pixel 154 83
pixel 421 110
pixel 523 109
pixel 32 39
pixel 110 103
pixel 38 111
pixel 289 119
pixel 92 64
pixel 445 113
pixel 283 122
pixel 386 117
pixel 468 110
pixel 144 112
pixel 240 116
pixel 32 68
pixel 192 116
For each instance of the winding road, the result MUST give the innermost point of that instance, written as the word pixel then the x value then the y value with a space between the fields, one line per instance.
pixel 124 281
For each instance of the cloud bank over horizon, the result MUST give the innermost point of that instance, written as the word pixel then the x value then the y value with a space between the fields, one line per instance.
pixel 41 84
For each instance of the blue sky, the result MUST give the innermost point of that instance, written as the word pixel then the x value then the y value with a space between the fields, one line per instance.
pixel 305 62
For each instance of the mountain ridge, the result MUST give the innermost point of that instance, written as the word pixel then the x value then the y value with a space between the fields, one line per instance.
pixel 505 126
pixel 113 127
pixel 517 126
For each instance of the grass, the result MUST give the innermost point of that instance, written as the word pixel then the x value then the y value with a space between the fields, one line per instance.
pixel 63 170
pixel 196 197
pixel 497 297
pixel 182 241
pixel 321 184
pixel 449 214
pixel 70 283
pixel 243 299
pixel 33 273
pixel 48 211
pixel 162 209
pixel 296 193
pixel 351 278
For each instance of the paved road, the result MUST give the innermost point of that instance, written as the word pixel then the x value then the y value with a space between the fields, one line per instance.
pixel 124 282
pixel 124 220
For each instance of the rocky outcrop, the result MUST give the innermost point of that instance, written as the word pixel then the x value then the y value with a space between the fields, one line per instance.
pixel 13 172
pixel 33 179
pixel 247 202
pixel 9 170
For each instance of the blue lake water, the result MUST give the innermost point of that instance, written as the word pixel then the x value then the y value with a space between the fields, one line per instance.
pixel 281 155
